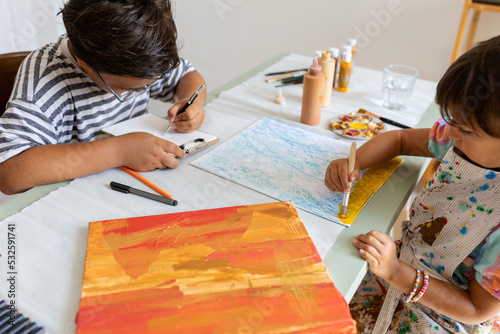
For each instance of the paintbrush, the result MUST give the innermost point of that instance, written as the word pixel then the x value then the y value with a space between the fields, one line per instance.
pixel 294 78
pixel 286 72
pixel 383 119
pixel 345 198
pixel 278 78
pixel 289 83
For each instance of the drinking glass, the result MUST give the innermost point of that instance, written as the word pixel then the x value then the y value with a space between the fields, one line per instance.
pixel 398 85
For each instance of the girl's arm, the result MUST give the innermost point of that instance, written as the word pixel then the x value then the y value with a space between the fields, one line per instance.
pixel 471 306
pixel 375 152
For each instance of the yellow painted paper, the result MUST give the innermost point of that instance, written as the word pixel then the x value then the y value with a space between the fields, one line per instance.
pixel 365 188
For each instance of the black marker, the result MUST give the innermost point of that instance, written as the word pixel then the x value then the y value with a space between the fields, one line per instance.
pixel 128 189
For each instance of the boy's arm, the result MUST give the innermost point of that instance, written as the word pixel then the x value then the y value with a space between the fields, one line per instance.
pixel 193 117
pixel 375 152
pixel 46 164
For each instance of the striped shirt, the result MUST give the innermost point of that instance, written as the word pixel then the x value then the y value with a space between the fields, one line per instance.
pixel 55 102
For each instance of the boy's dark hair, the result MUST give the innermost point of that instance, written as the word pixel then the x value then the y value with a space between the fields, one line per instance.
pixel 132 38
pixel 469 91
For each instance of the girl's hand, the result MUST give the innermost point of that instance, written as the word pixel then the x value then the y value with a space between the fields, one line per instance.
pixel 336 178
pixel 379 250
pixel 189 120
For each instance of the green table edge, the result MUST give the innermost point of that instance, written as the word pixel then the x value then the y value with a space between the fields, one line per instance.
pixel 21 201
pixel 347 281
pixel 244 77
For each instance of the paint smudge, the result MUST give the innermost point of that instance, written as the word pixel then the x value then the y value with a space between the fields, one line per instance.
pixel 463 229
pixel 484 187
pixel 473 199
pixel 490 176
pixel 445 177
pixel 427 263
pixel 426 207
pixel 464 206
pixel 341 215
pixel 431 230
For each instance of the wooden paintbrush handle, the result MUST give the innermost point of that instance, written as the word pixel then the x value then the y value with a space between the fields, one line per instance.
pixel 352 157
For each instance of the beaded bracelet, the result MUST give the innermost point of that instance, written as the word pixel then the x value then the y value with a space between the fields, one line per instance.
pixel 415 287
pixel 424 287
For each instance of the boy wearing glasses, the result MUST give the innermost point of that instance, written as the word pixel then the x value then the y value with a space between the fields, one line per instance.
pixel 114 57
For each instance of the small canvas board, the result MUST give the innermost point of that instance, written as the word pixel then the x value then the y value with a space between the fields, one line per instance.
pixel 243 269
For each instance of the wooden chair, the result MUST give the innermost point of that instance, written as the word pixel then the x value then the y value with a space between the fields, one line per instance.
pixel 477 6
pixel 9 64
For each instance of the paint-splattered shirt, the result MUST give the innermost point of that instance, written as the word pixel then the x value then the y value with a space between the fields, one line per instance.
pixel 484 261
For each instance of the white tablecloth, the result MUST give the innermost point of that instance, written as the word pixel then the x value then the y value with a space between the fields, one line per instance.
pixel 365 91
pixel 51 233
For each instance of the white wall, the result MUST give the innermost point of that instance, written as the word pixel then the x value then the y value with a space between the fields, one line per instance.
pixel 29 24
pixel 225 38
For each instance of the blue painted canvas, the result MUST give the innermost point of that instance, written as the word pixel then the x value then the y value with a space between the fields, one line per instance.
pixel 283 161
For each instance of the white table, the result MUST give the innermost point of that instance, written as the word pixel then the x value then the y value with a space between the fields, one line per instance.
pixel 51 233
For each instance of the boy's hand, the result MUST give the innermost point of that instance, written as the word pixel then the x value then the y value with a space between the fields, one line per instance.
pixel 379 250
pixel 144 152
pixel 336 178
pixel 188 121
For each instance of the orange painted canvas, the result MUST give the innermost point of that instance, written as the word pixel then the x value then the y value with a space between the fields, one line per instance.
pixel 244 269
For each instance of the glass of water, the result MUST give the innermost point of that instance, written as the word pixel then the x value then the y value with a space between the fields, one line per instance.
pixel 398 85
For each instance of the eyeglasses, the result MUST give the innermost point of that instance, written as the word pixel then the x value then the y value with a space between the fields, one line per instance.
pixel 129 93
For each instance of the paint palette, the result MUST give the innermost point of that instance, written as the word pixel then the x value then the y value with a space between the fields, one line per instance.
pixel 357 126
